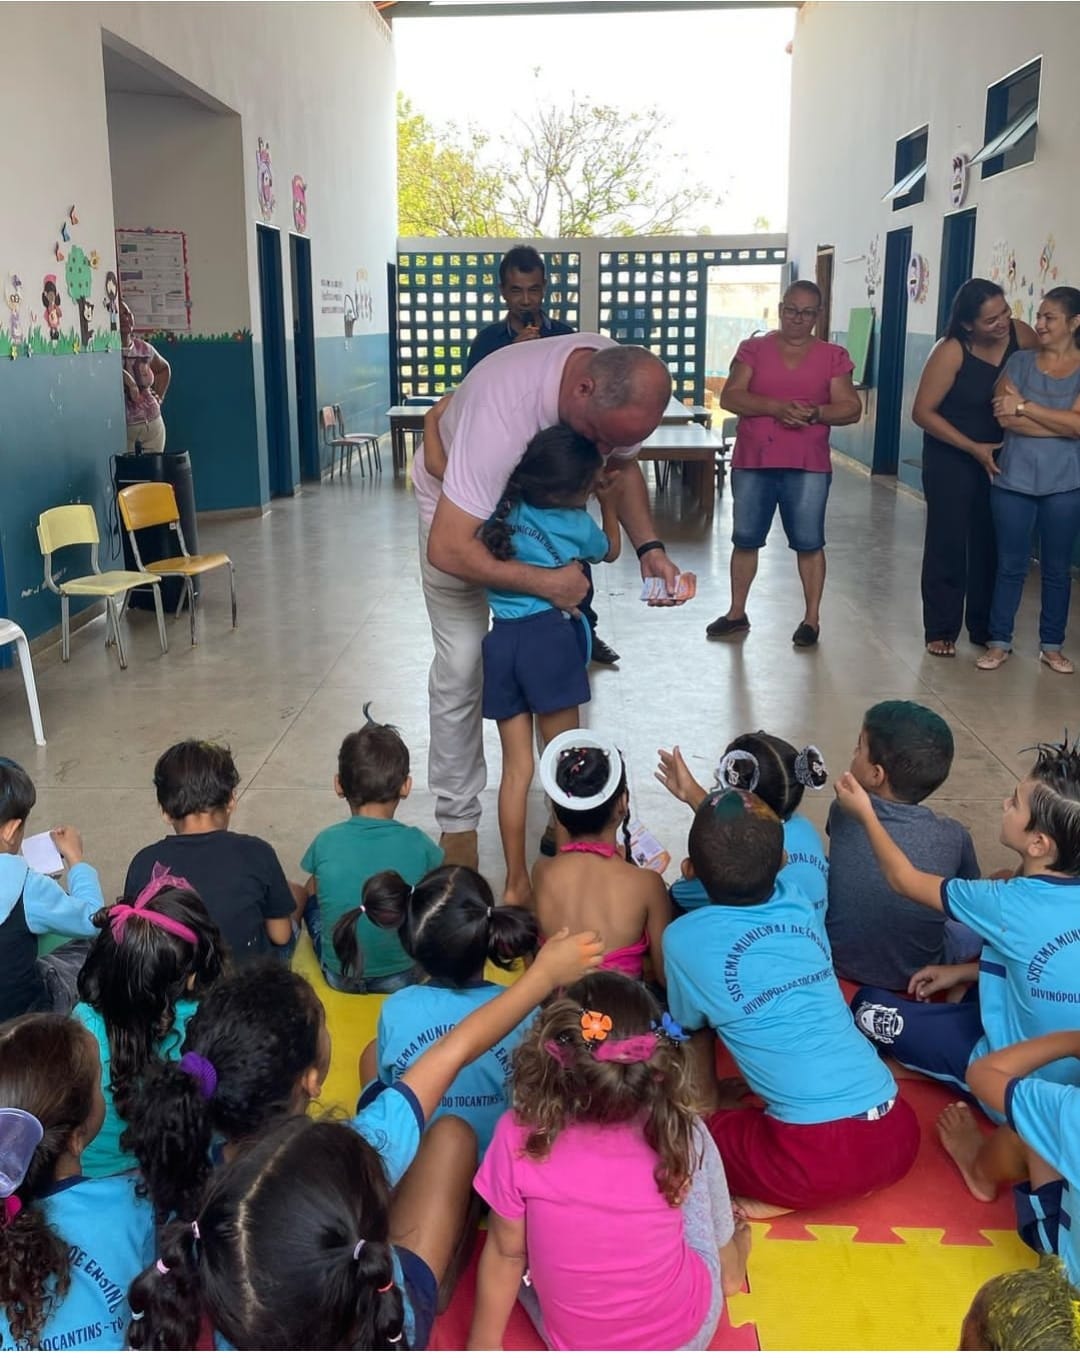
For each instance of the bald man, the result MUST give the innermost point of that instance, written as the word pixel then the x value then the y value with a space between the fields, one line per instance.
pixel 612 394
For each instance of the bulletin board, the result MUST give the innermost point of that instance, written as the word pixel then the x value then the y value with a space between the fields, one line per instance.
pixel 860 333
pixel 154 282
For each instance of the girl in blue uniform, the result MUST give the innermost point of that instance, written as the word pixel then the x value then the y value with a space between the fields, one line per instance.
pixel 69 1246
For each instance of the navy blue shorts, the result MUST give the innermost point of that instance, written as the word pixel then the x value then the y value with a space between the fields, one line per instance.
pixel 535 664
pixel 423 1293
pixel 936 1039
pixel 1038 1215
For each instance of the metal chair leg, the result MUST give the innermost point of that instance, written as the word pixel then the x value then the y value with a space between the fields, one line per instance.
pixel 65 628
pixel 191 607
pixel 160 611
pixel 232 591
pixel 181 601
pixel 110 608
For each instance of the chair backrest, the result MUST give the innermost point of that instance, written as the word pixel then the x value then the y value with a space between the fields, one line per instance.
pixel 729 428
pixel 147 504
pixel 66 526
pixel 328 423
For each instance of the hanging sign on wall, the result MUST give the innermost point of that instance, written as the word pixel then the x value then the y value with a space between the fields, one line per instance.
pixel 918 278
pixel 958 180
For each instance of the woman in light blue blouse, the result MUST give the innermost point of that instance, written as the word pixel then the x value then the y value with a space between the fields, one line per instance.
pixel 1037 403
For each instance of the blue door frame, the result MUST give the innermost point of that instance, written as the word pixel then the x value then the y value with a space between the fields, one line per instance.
pixel 272 308
pixel 957 260
pixel 894 300
pixel 304 355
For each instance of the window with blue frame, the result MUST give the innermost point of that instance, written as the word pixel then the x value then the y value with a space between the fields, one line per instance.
pixel 1012 121
pixel 909 170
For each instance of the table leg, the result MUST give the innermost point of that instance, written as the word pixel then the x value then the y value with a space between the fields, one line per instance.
pixel 708 486
pixel 397 440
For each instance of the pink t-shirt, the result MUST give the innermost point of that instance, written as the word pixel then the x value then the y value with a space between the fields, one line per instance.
pixel 136 360
pixel 763 442
pixel 607 1254
pixel 498 408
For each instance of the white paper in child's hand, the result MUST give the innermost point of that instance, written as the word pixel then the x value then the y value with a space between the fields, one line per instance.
pixel 42 854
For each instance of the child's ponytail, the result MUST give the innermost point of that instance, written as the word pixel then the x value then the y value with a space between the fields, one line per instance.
pixel 512 934
pixel 48 1077
pixel 170 1135
pixel 385 902
pixel 166 1298
pixel 496 534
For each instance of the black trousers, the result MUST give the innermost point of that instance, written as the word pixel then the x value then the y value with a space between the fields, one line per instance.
pixel 960 553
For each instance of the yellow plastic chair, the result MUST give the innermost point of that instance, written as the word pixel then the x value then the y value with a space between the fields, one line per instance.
pixel 151 503
pixel 76 526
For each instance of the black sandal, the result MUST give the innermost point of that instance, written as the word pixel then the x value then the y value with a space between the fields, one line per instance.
pixel 724 626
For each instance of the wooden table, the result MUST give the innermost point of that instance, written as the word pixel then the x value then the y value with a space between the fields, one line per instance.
pixel 677 413
pixel 687 443
pixel 404 420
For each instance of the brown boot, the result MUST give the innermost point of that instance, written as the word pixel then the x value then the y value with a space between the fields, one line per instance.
pixel 460 848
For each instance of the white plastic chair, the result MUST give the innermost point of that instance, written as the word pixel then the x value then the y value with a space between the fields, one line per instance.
pixel 12 634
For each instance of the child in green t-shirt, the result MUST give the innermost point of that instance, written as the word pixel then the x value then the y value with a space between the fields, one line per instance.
pixel 373 777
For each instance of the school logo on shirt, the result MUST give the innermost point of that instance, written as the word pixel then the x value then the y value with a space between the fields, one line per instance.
pixel 747 995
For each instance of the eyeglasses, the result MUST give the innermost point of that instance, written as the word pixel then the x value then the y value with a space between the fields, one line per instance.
pixel 797 313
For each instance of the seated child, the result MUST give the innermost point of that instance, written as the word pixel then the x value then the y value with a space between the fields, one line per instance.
pixel 70 1246
pixel 373 778
pixel 449 923
pixel 1027 970
pixel 779 774
pixel 291 1247
pixel 535 656
pixel 756 970
pixel 238 877
pixel 879 937
pixel 1045 1119
pixel 589 884
pixel 146 972
pixel 32 904
pixel 605 1185
pixel 1033 1309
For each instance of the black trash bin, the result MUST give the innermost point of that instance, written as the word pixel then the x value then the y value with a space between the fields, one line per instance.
pixel 156 543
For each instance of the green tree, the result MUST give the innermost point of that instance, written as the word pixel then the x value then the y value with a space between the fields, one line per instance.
pixel 444 188
pixel 581 170
pixel 79 278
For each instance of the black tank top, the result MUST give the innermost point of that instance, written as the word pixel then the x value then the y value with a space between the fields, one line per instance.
pixel 21 988
pixel 967 403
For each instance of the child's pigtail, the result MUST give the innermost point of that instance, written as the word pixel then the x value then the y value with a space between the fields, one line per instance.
pixel 380 1308
pixel 166 1298
pixel 34 1269
pixel 385 903
pixel 512 934
pixel 170 1134
pixel 495 534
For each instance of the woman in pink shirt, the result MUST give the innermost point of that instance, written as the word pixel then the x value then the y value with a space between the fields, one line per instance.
pixel 787 387
pixel 608 1201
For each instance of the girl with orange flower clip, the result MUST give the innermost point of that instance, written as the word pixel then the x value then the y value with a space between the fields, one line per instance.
pixel 602 1149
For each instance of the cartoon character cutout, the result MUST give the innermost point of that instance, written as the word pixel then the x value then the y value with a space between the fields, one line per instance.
pixel 13 298
pixel 86 320
pixel 266 179
pixel 112 299
pixel 50 300
pixel 299 202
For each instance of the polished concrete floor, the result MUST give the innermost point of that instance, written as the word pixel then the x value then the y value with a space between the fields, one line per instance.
pixel 331 615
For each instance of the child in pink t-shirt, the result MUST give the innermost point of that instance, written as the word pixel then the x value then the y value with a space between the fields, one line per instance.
pixel 607 1200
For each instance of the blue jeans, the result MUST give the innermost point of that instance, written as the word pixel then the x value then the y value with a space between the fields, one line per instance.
pixel 800 496
pixel 1016 517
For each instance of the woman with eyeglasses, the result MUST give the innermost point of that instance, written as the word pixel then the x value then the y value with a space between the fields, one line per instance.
pixel 788 387
pixel 961 439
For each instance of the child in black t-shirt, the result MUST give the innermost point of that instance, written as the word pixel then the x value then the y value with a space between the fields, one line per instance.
pixel 238 876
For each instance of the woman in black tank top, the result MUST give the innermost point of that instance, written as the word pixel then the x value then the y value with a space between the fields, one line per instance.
pixel 960 439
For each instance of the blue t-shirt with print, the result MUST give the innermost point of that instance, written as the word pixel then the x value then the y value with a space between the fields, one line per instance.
pixel 806 870
pixel 762 978
pixel 103 1156
pixel 413 1018
pixel 1046 1117
pixel 1029 975
pixel 551 538
pixel 109 1232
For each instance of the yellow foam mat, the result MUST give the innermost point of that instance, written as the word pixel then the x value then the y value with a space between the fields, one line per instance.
pixel 833 1292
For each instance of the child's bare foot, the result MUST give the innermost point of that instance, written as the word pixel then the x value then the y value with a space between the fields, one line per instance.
pixel 959 1134
pixel 753 1209
pixel 730 1092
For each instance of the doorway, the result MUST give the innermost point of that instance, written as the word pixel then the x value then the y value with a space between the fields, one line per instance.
pixel 823 272
pixel 957 260
pixel 894 300
pixel 272 308
pixel 304 354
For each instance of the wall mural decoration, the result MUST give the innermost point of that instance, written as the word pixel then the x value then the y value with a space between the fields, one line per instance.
pixel 299 203
pixel 265 179
pixel 13 299
pixel 958 180
pixel 79 278
pixel 918 279
pixel 873 267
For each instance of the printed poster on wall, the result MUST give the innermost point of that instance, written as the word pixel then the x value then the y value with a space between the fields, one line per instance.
pixel 154 281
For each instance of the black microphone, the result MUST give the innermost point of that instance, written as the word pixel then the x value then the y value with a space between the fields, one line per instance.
pixel 527 318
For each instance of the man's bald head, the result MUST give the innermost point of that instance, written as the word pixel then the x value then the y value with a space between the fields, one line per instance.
pixel 618 397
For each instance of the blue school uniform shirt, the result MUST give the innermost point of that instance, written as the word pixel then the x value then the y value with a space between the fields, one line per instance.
pixel 1029 969
pixel 551 538
pixel 807 871
pixel 761 976
pixel 109 1232
pixel 413 1018
pixel 1046 1117
pixel 103 1156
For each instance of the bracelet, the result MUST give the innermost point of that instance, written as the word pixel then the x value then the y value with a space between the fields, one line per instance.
pixel 652 546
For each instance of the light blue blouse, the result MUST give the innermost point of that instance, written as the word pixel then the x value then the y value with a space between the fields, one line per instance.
pixel 1037 466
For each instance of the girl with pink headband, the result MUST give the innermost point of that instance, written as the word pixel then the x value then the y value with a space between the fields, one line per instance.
pixel 152 961
pixel 604 1182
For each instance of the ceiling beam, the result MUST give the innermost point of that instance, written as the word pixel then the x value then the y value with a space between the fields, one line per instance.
pixel 460 9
